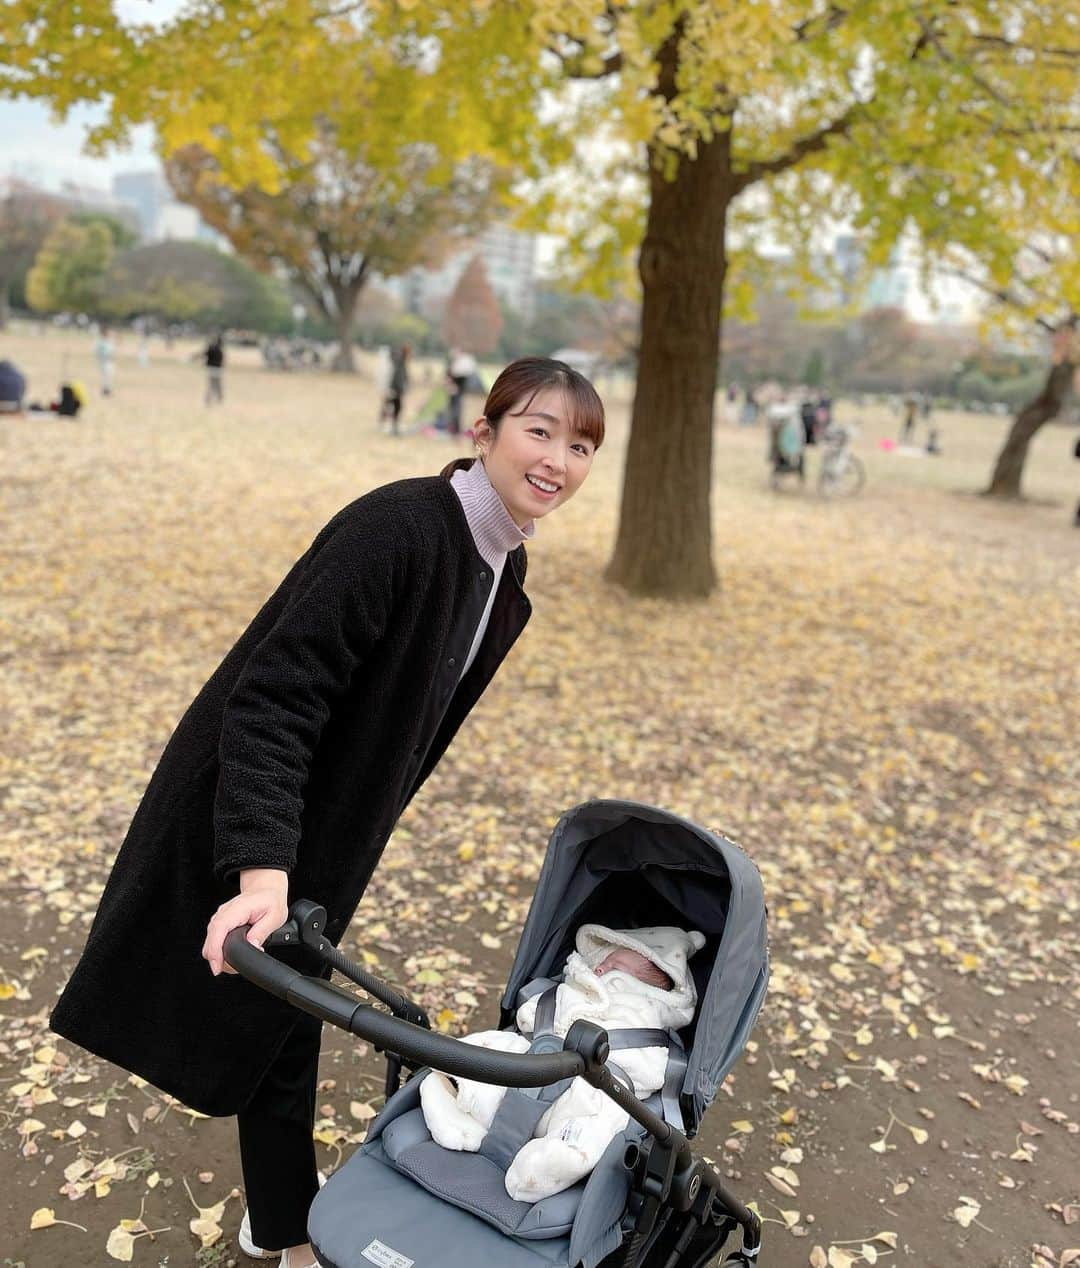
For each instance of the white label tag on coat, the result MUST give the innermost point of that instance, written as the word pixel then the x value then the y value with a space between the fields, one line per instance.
pixel 385 1256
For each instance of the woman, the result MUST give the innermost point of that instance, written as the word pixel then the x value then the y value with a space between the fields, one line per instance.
pixel 288 772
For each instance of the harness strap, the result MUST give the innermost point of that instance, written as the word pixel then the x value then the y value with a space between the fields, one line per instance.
pixel 537 987
pixel 544 1022
pixel 674 1076
pixel 639 1037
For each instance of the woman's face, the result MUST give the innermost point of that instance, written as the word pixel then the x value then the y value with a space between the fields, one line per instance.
pixel 535 462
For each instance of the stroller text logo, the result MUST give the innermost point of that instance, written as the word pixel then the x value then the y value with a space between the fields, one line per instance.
pixel 385 1256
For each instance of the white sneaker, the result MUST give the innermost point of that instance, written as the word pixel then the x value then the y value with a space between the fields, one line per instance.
pixel 287 1261
pixel 256 1252
pixel 248 1246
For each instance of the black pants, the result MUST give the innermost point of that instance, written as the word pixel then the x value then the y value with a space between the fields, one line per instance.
pixel 277 1152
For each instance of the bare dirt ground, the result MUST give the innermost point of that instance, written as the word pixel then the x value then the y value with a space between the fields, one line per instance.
pixel 879 704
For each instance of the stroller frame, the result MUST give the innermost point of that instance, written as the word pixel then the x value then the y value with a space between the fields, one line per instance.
pixel 683 1205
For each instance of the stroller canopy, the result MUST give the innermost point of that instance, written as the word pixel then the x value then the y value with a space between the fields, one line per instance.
pixel 626 865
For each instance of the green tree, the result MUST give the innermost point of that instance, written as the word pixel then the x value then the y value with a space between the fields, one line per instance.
pixel 68 270
pixel 193 281
pixel 26 216
pixel 948 121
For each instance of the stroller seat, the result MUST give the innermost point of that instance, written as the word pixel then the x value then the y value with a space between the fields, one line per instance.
pixel 417 1175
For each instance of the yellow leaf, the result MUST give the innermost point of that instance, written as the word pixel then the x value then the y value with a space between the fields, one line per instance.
pixel 361 1111
pixel 7 991
pixel 43 1217
pixel 742 1125
pixel 818 1259
pixel 490 941
pixel 780 1185
pixel 208 1231
pixel 121 1245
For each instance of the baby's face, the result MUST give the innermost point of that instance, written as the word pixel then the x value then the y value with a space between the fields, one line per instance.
pixel 636 964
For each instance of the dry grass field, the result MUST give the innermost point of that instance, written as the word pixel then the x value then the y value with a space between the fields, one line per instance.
pixel 879 703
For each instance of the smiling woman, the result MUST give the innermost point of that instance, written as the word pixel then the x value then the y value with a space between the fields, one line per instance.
pixel 291 767
pixel 541 426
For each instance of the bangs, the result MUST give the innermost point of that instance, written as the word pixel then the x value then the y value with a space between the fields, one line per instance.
pixel 584 409
pixel 586 413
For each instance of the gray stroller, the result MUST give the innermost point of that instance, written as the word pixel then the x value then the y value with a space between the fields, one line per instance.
pixel 402 1201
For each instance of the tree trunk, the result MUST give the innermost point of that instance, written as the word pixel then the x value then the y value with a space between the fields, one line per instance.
pixel 1005 482
pixel 664 543
pixel 344 362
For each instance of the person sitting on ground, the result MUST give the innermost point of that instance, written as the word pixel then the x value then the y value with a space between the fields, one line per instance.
pixel 616 978
pixel 12 388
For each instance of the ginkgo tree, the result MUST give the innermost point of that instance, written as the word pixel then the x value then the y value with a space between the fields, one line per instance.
pixel 702 126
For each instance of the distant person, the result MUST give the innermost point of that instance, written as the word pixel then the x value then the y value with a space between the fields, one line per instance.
pixel 104 353
pixel 911 409
pixel 1076 517
pixel 215 370
pixel 397 386
pixel 143 353
pixel 67 405
pixel 933 441
pixel 808 417
pixel 461 366
pixel 749 412
pixel 12 388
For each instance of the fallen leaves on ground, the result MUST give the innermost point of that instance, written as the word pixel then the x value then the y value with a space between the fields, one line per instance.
pixel 878 704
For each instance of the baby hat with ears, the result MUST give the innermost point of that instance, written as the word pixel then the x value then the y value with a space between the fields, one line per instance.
pixel 668 947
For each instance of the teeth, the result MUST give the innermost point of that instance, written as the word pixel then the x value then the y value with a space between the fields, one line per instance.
pixel 542 484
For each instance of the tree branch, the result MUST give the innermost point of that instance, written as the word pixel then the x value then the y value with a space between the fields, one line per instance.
pixel 1002 294
pixel 813 143
pixel 572 64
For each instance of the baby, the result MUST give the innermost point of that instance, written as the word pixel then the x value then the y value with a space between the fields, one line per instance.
pixel 616 978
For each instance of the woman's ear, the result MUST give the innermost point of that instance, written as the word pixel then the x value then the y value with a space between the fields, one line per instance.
pixel 482 435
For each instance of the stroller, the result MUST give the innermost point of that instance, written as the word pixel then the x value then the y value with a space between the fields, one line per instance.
pixel 787 444
pixel 402 1201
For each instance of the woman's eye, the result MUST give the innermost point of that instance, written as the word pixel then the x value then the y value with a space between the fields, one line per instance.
pixel 539 431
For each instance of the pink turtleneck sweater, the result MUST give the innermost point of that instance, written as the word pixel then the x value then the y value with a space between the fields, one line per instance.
pixel 494 533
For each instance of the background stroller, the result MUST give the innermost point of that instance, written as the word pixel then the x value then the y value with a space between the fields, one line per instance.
pixel 402 1201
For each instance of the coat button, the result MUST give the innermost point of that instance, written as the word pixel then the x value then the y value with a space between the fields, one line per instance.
pixel 452 662
pixel 483 576
pixel 417 751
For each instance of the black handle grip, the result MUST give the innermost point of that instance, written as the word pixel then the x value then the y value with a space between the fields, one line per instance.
pixel 418 1046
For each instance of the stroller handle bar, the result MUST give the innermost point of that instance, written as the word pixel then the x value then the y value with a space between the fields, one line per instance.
pixel 414 1043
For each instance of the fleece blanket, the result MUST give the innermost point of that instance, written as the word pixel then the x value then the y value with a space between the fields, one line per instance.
pixel 572 1135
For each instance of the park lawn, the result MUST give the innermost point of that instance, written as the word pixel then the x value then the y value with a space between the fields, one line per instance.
pixel 878 704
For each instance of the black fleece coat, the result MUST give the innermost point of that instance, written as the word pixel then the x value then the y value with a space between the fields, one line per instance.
pixel 300 752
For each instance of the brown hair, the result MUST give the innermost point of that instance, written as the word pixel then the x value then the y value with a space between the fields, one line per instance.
pixel 523 379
